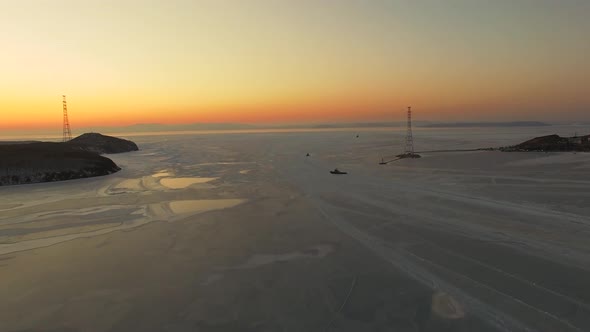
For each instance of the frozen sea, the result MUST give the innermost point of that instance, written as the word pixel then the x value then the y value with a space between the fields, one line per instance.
pixel 240 231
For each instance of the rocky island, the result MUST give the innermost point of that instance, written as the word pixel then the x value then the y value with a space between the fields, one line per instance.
pixel 34 162
pixel 552 143
pixel 101 144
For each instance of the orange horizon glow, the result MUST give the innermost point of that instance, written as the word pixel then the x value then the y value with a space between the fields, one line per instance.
pixel 291 62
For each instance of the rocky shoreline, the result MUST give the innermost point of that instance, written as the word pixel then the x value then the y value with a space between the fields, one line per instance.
pixel 552 143
pixel 36 162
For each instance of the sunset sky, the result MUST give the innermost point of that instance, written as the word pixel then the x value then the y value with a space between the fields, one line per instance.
pixel 250 61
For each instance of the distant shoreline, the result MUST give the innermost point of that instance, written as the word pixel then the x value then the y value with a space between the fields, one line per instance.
pixel 487 124
pixel 14 137
pixel 29 137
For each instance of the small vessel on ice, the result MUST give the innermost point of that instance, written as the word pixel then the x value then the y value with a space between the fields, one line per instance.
pixel 337 171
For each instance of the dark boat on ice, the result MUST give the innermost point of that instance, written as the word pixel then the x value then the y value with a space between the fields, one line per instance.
pixel 336 171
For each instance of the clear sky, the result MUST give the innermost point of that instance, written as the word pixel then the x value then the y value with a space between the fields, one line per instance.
pixel 125 62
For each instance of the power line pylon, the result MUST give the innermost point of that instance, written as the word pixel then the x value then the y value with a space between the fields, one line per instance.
pixel 67 133
pixel 409 152
pixel 409 138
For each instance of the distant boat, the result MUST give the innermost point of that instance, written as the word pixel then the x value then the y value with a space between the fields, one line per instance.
pixel 336 171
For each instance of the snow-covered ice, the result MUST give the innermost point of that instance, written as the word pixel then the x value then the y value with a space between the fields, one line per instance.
pixel 234 231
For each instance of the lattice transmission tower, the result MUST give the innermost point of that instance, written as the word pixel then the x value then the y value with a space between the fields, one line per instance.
pixel 67 132
pixel 409 137
pixel 409 152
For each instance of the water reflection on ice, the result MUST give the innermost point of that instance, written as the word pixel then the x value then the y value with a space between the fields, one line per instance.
pixel 225 163
pixel 130 184
pixel 203 205
pixel 180 183
pixel 162 174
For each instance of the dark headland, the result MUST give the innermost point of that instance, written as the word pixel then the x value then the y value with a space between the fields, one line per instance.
pixel 552 143
pixel 34 162
pixel 101 144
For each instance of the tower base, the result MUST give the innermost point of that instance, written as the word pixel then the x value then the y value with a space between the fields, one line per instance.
pixel 408 155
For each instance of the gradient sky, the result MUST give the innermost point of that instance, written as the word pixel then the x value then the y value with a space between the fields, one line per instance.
pixel 126 62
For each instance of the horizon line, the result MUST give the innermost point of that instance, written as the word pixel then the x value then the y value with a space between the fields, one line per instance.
pixel 302 125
